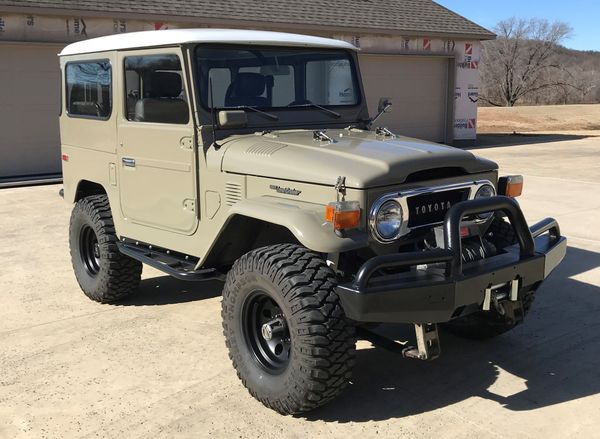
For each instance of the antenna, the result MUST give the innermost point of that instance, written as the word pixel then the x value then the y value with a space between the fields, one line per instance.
pixel 213 114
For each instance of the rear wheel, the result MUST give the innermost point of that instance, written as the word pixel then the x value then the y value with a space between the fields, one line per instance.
pixel 287 334
pixel 103 273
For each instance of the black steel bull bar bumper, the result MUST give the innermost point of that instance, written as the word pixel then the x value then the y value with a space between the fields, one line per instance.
pixel 446 287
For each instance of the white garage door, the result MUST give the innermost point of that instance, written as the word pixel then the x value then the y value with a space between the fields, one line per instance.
pixel 29 105
pixel 418 86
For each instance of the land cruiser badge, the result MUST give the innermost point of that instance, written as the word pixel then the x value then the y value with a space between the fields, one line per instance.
pixel 285 190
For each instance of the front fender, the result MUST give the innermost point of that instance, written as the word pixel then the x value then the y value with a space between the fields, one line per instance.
pixel 304 220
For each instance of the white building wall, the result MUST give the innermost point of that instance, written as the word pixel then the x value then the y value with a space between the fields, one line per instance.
pixel 466 54
pixel 20 27
pixel 38 28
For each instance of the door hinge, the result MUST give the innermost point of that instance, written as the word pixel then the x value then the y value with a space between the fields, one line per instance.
pixel 189 204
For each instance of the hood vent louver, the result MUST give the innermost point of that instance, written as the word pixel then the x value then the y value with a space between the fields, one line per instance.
pixel 265 149
pixel 233 193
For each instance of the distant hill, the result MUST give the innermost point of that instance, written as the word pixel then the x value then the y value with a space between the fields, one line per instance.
pixel 581 69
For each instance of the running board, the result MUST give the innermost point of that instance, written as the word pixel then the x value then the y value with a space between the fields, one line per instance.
pixel 174 264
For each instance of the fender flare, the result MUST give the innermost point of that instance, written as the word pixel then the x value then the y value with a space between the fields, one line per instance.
pixel 304 220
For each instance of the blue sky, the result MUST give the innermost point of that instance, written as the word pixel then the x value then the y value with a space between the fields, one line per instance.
pixel 581 15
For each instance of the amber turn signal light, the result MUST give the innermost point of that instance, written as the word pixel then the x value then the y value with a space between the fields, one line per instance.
pixel 511 185
pixel 344 215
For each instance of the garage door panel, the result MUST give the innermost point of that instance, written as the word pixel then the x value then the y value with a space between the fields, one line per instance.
pixel 418 87
pixel 29 132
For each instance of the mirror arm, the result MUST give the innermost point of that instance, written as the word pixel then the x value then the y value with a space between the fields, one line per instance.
pixel 378 115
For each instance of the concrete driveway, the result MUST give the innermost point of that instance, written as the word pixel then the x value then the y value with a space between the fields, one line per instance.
pixel 156 366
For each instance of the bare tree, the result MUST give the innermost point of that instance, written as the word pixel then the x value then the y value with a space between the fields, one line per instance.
pixel 521 61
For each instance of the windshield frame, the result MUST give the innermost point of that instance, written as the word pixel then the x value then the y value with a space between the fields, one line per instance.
pixel 355 108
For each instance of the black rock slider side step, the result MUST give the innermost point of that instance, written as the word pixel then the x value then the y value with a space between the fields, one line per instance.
pixel 173 263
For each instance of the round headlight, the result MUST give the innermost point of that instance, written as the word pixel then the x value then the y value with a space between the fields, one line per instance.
pixel 485 191
pixel 388 220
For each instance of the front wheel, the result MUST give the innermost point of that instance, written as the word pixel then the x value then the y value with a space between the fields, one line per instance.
pixel 286 331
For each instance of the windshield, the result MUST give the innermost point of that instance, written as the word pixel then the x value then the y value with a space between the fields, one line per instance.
pixel 272 78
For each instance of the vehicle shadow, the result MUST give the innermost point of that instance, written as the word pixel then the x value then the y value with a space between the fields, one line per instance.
pixel 498 140
pixel 166 290
pixel 553 357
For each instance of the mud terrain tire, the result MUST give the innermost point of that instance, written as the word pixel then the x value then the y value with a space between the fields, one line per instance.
pixel 104 274
pixel 309 360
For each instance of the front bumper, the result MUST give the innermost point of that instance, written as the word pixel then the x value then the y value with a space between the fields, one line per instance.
pixel 447 288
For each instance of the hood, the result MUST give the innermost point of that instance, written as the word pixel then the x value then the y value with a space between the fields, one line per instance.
pixel 366 160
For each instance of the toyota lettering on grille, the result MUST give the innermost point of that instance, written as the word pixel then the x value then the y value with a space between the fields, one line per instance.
pixel 430 208
pixel 433 207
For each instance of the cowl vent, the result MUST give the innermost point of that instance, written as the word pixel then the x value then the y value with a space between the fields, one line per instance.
pixel 233 193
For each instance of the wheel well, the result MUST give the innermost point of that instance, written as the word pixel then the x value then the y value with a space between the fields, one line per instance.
pixel 86 188
pixel 243 234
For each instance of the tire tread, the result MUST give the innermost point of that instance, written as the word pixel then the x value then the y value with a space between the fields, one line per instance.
pixel 123 274
pixel 324 338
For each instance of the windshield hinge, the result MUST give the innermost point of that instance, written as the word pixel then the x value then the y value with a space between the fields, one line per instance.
pixel 320 136
pixel 384 132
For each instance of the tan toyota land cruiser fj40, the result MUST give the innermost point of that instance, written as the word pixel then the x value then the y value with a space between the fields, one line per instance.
pixel 250 157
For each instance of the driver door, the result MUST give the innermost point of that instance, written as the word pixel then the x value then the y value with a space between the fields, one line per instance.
pixel 156 143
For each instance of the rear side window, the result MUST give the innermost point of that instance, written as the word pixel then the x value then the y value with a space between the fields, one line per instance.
pixel 154 90
pixel 89 89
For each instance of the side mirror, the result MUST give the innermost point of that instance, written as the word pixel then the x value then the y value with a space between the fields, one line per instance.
pixel 385 105
pixel 232 119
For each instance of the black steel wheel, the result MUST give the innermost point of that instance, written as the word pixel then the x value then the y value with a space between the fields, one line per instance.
pixel 103 273
pixel 266 332
pixel 287 334
pixel 89 250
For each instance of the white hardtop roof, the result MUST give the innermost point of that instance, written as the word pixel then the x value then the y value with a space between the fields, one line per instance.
pixel 171 37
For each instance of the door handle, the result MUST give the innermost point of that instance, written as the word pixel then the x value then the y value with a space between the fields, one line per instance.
pixel 128 162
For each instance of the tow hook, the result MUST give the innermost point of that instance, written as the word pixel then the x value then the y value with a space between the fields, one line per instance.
pixel 428 343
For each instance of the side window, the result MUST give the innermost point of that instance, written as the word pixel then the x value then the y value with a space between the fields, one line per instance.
pixel 88 87
pixel 154 89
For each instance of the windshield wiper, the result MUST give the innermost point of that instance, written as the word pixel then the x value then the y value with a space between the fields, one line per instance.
pixel 249 107
pixel 327 110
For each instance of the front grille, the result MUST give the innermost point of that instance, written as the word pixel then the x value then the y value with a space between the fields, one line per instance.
pixel 431 208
